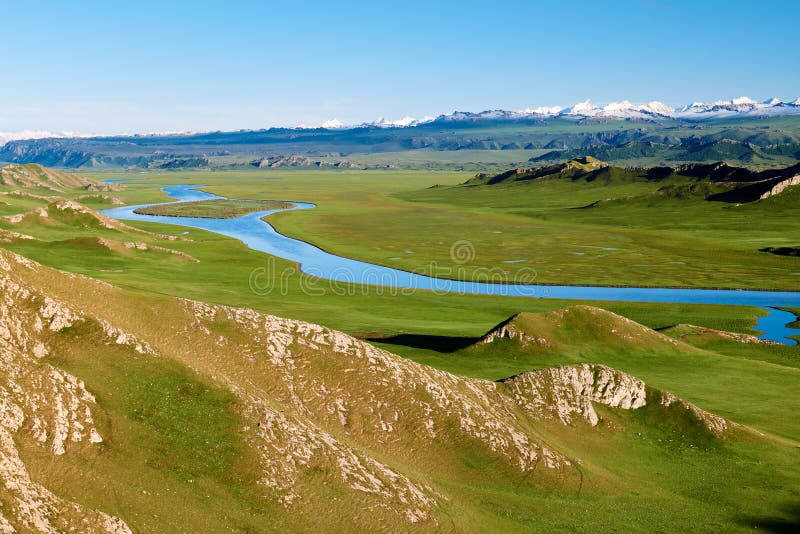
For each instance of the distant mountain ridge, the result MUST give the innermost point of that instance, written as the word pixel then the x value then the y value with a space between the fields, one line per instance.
pixel 696 111
pixel 624 109
pixel 758 134
pixel 723 182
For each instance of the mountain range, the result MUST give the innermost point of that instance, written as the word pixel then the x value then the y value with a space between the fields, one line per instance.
pixel 696 111
pixel 758 134
pixel 653 110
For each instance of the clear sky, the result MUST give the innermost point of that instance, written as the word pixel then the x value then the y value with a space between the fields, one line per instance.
pixel 142 66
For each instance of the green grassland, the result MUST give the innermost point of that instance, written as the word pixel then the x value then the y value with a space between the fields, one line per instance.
pixel 657 475
pixel 214 209
pixel 225 267
pixel 173 434
pixel 645 237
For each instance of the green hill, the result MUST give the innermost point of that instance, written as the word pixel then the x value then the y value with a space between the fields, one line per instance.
pixel 33 176
pixel 266 418
pixel 718 181
pixel 758 152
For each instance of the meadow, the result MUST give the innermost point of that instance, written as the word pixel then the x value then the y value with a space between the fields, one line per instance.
pixel 752 384
pixel 397 219
pixel 214 209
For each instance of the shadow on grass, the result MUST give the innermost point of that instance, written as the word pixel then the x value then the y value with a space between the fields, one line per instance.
pixel 418 341
pixel 776 525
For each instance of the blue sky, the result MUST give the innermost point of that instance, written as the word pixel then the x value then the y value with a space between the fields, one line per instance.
pixel 110 67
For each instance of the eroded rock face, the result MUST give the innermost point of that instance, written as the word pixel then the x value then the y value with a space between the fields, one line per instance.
pixel 50 405
pixel 714 423
pixel 33 176
pixel 508 330
pixel 330 384
pixel 781 186
pixel 7 236
pixel 568 391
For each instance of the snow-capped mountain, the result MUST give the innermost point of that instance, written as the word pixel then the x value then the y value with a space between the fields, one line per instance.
pixel 654 110
pixel 739 106
pixel 624 109
pixel 543 110
pixel 334 124
pixel 36 134
pixel 405 122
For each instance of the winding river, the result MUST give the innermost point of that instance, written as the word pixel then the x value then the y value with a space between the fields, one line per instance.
pixel 259 235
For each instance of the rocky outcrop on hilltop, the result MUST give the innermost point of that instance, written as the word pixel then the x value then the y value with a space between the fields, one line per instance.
pixel 688 331
pixel 545 330
pixel 32 176
pixel 570 391
pixel 509 329
pixel 779 186
pixel 75 214
pixel 274 162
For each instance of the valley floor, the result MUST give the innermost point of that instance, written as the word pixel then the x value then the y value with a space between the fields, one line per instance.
pixel 643 470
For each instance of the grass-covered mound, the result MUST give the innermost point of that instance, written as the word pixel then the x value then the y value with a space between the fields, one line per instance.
pixel 268 423
pixel 720 181
pixel 34 176
pixel 214 209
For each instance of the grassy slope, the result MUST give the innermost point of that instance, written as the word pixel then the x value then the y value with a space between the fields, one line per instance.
pixel 172 438
pixel 696 477
pixel 718 381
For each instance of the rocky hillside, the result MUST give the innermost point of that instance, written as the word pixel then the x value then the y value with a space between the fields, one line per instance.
pixel 71 216
pixel 274 162
pixel 717 181
pixel 32 176
pixel 324 415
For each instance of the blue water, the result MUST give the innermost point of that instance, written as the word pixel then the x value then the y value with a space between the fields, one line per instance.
pixel 119 180
pixel 259 235
pixel 774 326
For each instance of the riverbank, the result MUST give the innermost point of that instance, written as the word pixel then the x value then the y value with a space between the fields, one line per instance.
pixel 261 236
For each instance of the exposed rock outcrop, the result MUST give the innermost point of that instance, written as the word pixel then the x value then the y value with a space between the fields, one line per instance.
pixel 76 214
pixel 780 186
pixel 294 160
pixel 32 175
pixel 51 406
pixel 563 392
pixel 686 330
pixel 570 391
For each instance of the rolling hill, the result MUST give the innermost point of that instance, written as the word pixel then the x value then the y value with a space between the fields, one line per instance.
pixel 283 413
pixel 34 176
pixel 118 403
pixel 722 181
pixel 743 152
